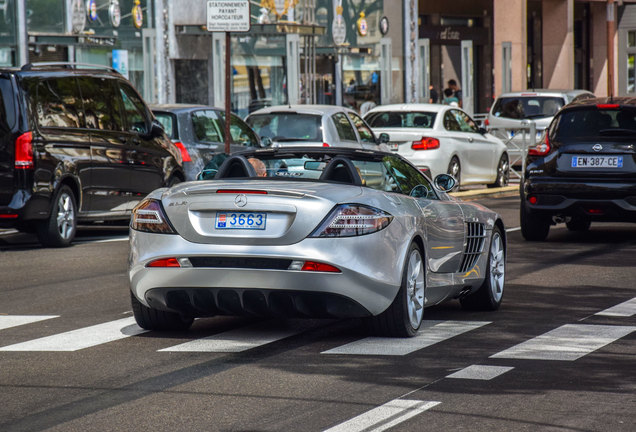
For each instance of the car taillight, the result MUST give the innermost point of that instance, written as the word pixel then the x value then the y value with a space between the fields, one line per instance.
pixel 148 216
pixel 164 262
pixel 349 220
pixel 541 149
pixel 24 151
pixel 486 122
pixel 185 156
pixel 325 145
pixel 425 143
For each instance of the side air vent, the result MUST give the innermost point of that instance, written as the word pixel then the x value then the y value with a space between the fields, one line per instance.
pixel 475 238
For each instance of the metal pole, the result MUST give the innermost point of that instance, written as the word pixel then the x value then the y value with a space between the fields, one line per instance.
pixel 228 99
pixel 611 10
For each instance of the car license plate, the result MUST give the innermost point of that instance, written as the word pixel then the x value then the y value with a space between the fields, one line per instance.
pixel 597 161
pixel 241 220
pixel 393 146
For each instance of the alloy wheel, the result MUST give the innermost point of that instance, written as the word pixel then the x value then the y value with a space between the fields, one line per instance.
pixel 415 289
pixel 497 267
pixel 65 216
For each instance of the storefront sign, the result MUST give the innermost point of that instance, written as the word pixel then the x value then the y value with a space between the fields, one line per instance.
pixel 338 28
pixel 137 14
pixel 78 16
pixel 114 13
pixel 91 9
pixel 228 15
pixel 120 62
pixel 449 35
pixel 363 27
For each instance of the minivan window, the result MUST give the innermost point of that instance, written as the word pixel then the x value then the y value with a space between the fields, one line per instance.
pixel 57 103
pixel 100 112
pixel 133 110
pixel 7 108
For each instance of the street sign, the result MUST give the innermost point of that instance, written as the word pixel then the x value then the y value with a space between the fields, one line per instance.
pixel 228 15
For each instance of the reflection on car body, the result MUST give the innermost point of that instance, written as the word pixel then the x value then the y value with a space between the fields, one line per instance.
pixel 329 232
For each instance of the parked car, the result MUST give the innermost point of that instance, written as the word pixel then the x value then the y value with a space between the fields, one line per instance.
pixel 306 243
pixel 584 170
pixel 314 125
pixel 511 110
pixel 77 144
pixel 443 139
pixel 199 133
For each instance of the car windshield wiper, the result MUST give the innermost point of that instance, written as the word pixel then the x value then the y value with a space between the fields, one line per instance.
pixel 617 131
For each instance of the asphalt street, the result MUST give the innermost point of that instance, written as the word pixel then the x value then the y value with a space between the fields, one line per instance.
pixel 558 355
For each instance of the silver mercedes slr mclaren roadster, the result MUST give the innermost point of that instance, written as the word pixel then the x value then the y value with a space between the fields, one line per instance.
pixel 313 232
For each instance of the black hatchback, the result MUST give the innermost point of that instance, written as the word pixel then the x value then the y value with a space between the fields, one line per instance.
pixel 584 170
pixel 77 144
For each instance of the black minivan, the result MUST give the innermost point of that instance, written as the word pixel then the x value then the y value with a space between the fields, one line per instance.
pixel 77 144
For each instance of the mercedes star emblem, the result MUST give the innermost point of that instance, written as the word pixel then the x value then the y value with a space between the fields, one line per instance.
pixel 240 200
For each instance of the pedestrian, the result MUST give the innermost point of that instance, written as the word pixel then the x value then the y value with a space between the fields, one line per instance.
pixel 367 105
pixel 452 84
pixel 449 98
pixel 433 95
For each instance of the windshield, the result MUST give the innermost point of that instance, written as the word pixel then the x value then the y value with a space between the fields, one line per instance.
pixel 594 122
pixel 401 119
pixel 527 107
pixel 287 126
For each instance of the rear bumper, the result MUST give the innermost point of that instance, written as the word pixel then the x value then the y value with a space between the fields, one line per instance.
pixel 24 207
pixel 369 279
pixel 607 200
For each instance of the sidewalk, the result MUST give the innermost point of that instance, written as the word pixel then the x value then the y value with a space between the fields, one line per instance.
pixel 477 192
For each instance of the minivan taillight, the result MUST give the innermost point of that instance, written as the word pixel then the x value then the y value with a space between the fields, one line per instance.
pixel 541 149
pixel 24 151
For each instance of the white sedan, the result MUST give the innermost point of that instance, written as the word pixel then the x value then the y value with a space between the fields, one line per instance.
pixel 443 139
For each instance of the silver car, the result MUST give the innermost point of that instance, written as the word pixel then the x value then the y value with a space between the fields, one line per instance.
pixel 324 233
pixel 314 125
pixel 511 111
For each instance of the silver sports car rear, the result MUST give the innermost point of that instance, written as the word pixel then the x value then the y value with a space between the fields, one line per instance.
pixel 326 233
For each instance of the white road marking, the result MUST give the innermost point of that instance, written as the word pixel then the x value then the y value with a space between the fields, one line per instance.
pixel 625 309
pixel 237 340
pixel 385 416
pixel 431 333
pixel 8 321
pixel 566 343
pixel 479 372
pixel 513 229
pixel 8 232
pixel 81 338
pixel 109 240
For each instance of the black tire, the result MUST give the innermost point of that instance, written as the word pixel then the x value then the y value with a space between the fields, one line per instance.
pixel 403 317
pixel 534 226
pixel 578 224
pixel 490 294
pixel 154 319
pixel 455 169
pixel 503 172
pixel 58 230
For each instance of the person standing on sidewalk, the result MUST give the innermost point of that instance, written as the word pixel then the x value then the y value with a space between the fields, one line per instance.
pixel 457 92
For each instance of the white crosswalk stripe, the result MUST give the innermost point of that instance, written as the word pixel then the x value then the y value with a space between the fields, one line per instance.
pixel 431 333
pixel 480 372
pixel 385 416
pixel 8 321
pixel 626 309
pixel 81 338
pixel 237 340
pixel 566 343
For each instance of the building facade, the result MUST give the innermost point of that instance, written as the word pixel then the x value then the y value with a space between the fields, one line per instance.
pixel 335 51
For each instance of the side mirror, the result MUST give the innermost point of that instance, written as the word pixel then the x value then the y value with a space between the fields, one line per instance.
pixel 445 182
pixel 266 141
pixel 156 129
pixel 384 138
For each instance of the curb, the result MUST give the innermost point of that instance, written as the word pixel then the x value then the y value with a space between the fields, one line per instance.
pixel 507 191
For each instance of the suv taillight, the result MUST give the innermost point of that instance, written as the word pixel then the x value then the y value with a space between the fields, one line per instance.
pixel 541 149
pixel 24 151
